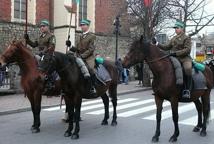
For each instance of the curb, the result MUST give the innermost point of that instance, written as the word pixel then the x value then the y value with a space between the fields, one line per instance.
pixel 43 107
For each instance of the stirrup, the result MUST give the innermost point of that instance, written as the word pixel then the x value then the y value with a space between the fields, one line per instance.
pixel 93 92
pixel 186 94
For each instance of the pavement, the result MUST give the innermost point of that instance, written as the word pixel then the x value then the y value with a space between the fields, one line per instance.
pixel 14 103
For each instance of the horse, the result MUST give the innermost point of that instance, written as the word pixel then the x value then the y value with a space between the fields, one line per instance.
pixel 32 80
pixel 165 88
pixel 76 87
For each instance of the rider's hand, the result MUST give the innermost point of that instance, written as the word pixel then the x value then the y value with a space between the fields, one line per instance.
pixel 68 43
pixel 26 36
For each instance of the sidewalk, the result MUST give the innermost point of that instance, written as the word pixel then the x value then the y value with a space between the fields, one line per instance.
pixel 18 103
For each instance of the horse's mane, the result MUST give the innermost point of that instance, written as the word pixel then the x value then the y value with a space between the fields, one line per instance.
pixel 20 45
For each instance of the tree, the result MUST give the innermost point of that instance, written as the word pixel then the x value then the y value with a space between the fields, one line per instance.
pixel 191 12
pixel 146 16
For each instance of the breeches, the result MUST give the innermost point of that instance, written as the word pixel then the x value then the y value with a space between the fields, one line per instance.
pixel 187 65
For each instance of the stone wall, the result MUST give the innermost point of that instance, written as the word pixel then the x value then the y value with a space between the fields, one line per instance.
pixel 10 31
pixel 106 45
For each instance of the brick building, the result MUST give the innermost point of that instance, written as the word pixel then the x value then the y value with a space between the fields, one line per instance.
pixel 101 13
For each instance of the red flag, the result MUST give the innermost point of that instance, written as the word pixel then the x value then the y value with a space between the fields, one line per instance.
pixel 147 3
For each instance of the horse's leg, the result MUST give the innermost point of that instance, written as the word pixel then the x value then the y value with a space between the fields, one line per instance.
pixel 30 98
pixel 174 106
pixel 75 134
pixel 70 108
pixel 37 109
pixel 113 95
pixel 106 107
pixel 159 103
pixel 199 110
pixel 206 112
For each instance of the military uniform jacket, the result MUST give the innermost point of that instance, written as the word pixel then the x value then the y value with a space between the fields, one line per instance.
pixel 180 44
pixel 86 47
pixel 46 42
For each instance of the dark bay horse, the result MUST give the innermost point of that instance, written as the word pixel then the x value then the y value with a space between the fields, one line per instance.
pixel 164 86
pixel 76 87
pixel 31 78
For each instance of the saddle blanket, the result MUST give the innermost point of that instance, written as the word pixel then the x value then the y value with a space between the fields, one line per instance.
pixel 102 73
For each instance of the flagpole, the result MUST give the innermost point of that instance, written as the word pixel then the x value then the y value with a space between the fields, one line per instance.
pixel 26 19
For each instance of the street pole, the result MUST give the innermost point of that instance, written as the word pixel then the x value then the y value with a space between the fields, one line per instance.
pixel 117 26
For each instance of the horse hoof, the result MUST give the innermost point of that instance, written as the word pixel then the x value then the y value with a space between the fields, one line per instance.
pixel 113 123
pixel 104 122
pixel 67 134
pixel 203 133
pixel 35 130
pixel 74 136
pixel 196 129
pixel 173 139
pixel 155 139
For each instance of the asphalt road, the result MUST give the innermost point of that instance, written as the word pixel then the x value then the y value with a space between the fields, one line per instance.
pixel 136 124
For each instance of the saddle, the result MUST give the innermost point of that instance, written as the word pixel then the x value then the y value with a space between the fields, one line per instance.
pixel 198 78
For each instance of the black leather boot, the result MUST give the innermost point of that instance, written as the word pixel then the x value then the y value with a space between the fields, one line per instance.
pixel 186 92
pixel 92 86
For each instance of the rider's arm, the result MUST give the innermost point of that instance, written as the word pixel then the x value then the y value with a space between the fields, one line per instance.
pixel 167 46
pixel 186 49
pixel 52 43
pixel 31 43
pixel 90 50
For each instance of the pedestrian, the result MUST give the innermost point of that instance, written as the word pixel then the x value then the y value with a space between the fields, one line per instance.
pixel 2 74
pixel 125 76
pixel 119 65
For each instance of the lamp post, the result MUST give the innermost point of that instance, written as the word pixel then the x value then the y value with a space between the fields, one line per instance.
pixel 117 32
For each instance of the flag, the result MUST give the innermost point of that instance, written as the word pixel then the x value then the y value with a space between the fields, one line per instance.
pixel 147 3
pixel 73 7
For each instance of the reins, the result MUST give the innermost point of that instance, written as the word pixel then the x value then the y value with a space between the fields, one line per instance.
pixel 165 56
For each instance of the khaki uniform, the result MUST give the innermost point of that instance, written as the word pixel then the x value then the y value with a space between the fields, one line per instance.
pixel 181 45
pixel 85 49
pixel 46 43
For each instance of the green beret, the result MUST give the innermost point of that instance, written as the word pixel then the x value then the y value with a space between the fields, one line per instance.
pixel 178 24
pixel 44 23
pixel 85 22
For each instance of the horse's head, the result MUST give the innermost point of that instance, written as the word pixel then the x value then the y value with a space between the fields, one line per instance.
pixel 135 54
pixel 10 53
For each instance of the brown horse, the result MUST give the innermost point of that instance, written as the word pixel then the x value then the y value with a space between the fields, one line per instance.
pixel 164 86
pixel 31 80
pixel 76 87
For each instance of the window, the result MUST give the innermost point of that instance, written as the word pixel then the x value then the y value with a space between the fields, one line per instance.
pixel 82 9
pixel 20 9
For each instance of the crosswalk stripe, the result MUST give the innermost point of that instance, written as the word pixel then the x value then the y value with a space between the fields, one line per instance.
pixel 168 113
pixel 54 108
pixel 141 110
pixel 120 107
pixel 193 120
pixel 101 105
pixel 91 106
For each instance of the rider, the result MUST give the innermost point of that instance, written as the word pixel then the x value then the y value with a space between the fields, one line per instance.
pixel 45 42
pixel 85 49
pixel 180 46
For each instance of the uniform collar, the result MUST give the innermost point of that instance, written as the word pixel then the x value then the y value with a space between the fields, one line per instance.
pixel 84 33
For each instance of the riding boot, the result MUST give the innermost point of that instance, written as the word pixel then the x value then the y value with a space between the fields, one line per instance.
pixel 92 86
pixel 186 92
